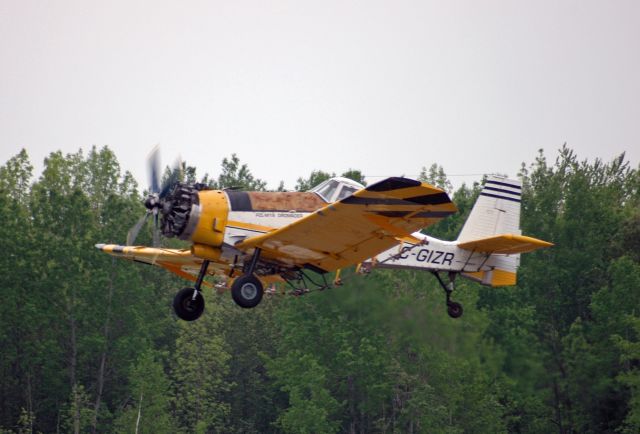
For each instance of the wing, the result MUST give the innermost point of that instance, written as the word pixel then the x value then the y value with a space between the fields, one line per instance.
pixel 178 261
pixel 357 227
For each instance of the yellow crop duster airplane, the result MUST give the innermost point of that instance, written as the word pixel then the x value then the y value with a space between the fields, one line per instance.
pixel 255 238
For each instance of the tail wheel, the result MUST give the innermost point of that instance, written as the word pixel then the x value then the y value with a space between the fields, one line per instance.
pixel 186 306
pixel 247 291
pixel 454 309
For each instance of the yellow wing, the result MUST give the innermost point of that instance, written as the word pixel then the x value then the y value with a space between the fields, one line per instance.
pixel 357 227
pixel 178 261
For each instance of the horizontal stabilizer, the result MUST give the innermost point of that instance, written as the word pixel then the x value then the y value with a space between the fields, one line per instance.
pixel 505 244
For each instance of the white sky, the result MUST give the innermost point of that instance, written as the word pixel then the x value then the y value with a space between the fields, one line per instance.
pixel 291 86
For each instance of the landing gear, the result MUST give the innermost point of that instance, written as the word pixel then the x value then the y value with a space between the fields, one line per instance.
pixel 454 309
pixel 247 289
pixel 188 304
pixel 188 307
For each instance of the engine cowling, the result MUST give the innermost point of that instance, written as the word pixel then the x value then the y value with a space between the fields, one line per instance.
pixel 192 213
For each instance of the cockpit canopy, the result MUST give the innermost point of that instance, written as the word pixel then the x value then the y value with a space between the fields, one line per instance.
pixel 335 189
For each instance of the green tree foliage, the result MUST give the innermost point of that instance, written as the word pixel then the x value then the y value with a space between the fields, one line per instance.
pixel 148 408
pixel 21 350
pixel 356 175
pixel 436 176
pixel 252 396
pixel 78 414
pixel 629 347
pixel 199 373
pixel 315 178
pixel 564 293
pixel 89 344
pixel 236 175
pixel 311 405
pixel 388 361
pixel 73 319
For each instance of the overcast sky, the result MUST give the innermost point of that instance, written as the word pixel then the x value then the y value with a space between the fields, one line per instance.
pixel 291 86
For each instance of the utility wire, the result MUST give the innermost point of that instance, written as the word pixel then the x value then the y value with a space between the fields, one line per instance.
pixel 415 176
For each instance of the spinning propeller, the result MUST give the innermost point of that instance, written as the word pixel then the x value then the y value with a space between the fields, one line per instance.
pixel 159 199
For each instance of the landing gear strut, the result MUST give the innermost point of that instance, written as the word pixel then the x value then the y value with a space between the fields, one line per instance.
pixel 247 289
pixel 188 303
pixel 454 309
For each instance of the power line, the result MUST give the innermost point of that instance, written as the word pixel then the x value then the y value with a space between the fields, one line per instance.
pixel 415 176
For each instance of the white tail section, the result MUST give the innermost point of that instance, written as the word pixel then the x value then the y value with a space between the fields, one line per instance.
pixel 497 210
pixel 488 248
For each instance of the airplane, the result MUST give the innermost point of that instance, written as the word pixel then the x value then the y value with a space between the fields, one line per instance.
pixel 257 238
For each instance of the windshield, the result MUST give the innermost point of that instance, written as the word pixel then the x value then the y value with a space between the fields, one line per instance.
pixel 346 191
pixel 327 190
pixel 335 189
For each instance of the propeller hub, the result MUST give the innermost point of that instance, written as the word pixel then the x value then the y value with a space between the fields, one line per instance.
pixel 170 202
pixel 176 209
pixel 152 201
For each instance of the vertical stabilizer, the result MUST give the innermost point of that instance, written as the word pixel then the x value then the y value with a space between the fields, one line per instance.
pixel 497 210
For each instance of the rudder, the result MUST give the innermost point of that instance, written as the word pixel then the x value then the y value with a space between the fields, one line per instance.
pixel 497 210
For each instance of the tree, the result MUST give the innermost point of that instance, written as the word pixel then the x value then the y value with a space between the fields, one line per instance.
pixel 370 345
pixel 436 176
pixel 311 406
pixel 73 323
pixel 630 375
pixel 315 178
pixel 199 374
pixel 88 343
pixel 580 206
pixel 254 400
pixel 78 412
pixel 20 325
pixel 148 409
pixel 236 175
pixel 356 175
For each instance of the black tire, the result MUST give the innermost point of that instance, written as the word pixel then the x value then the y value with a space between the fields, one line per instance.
pixel 247 291
pixel 454 309
pixel 186 307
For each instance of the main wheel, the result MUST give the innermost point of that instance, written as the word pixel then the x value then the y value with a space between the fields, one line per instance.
pixel 247 291
pixel 454 309
pixel 187 307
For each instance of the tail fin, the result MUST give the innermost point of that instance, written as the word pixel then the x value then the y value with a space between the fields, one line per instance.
pixel 497 210
pixel 493 228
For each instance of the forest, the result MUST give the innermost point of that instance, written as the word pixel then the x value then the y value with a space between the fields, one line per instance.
pixel 90 344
